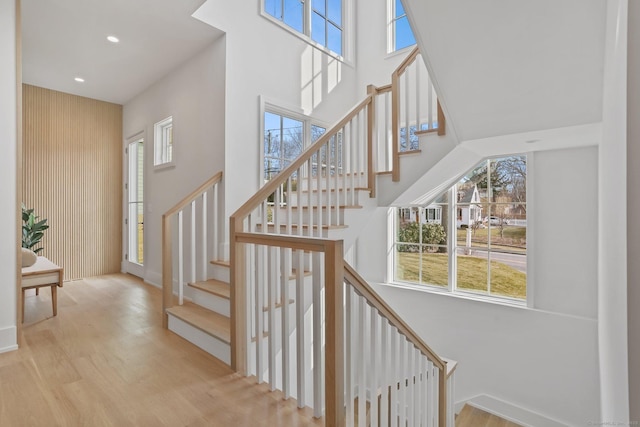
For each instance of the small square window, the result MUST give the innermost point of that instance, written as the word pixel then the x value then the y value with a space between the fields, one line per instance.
pixel 163 142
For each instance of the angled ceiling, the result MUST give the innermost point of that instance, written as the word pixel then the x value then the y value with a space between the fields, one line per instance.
pixel 64 39
pixel 506 67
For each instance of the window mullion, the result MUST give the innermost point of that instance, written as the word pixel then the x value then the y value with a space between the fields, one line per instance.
pixel 452 240
pixel 307 18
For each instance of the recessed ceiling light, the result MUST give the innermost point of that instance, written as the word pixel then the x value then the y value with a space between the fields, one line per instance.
pixel 113 39
pixel 79 79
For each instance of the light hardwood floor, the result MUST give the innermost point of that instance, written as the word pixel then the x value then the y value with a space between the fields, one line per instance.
pixel 471 416
pixel 106 361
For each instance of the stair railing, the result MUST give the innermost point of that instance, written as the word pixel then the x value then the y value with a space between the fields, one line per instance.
pixel 329 341
pixel 199 210
pixel 415 108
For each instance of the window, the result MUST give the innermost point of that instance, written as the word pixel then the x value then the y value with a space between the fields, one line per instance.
pixel 320 20
pixel 163 143
pixel 285 137
pixel 400 34
pixel 483 247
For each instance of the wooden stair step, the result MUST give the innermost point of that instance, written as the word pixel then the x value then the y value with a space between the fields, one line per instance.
pixel 470 416
pixel 408 152
pixel 384 173
pixel 220 262
pixel 333 190
pixel 425 131
pixel 278 305
pixel 214 287
pixel 325 207
pixel 207 321
pixel 304 226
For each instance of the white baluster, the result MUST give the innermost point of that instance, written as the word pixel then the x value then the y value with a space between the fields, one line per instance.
pixel 285 269
pixel 384 368
pixel 272 280
pixel 362 382
pixel 300 330
pixel 216 241
pixel 402 410
pixel 375 365
pixel 318 377
pixel 180 260
pixel 259 275
pixel 348 347
pixel 205 261
pixel 193 242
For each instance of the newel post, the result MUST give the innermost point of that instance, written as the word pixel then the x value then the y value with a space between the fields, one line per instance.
pixel 371 128
pixel 167 270
pixel 237 264
pixel 334 349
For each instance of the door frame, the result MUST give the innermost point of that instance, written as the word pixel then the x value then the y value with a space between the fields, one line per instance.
pixel 128 266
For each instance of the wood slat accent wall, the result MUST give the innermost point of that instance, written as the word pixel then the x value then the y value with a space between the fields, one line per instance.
pixel 72 175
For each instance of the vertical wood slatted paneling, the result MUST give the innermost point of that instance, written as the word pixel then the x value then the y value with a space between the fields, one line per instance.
pixel 72 175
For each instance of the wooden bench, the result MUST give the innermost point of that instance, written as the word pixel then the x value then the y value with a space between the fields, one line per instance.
pixel 42 273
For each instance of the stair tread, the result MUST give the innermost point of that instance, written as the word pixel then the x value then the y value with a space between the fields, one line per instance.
pixel 407 152
pixel 215 287
pixel 207 321
pixel 220 262
pixel 425 131
pixel 384 173
pixel 265 308
pixel 325 207
pixel 324 227
pixel 470 416
pixel 333 190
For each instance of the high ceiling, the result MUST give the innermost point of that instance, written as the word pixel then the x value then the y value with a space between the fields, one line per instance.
pixel 64 39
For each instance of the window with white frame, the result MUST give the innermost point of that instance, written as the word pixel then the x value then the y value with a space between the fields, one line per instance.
pixel 319 20
pixel 285 137
pixel 400 34
pixel 163 142
pixel 471 239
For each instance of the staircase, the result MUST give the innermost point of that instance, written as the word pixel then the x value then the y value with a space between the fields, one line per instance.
pixel 273 310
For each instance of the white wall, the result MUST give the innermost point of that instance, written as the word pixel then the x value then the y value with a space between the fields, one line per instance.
pixel 8 238
pixel 264 59
pixel 612 256
pixel 543 359
pixel 194 95
pixel 633 207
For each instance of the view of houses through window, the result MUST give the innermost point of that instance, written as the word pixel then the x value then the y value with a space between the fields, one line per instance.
pixel 472 238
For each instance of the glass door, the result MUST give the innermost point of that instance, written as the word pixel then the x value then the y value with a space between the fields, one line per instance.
pixel 134 256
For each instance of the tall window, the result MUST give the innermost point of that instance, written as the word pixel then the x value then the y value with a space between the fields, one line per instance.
pixel 473 238
pixel 320 20
pixel 285 138
pixel 400 34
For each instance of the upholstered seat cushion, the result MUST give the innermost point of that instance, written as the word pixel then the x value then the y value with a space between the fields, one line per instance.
pixel 28 257
pixel 43 272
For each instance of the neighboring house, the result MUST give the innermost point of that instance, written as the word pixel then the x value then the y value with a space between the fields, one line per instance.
pixel 470 208
pixel 432 214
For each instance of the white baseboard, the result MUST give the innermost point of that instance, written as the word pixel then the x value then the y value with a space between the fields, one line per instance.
pixel 8 339
pixel 509 411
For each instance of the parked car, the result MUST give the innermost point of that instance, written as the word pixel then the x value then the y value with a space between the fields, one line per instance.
pixel 495 220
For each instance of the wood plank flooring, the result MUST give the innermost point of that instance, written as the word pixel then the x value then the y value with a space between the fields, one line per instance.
pixel 106 361
pixel 471 416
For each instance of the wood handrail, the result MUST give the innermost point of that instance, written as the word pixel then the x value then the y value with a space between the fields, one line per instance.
pixel 407 61
pixel 363 288
pixel 167 259
pixel 281 177
pixel 378 303
pixel 194 194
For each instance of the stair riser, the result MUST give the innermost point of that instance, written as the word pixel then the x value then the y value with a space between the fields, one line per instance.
pixel 212 302
pixel 219 272
pixel 210 344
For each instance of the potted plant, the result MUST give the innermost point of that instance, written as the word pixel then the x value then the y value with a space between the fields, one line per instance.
pixel 32 229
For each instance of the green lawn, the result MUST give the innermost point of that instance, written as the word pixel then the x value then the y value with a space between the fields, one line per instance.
pixel 513 238
pixel 472 273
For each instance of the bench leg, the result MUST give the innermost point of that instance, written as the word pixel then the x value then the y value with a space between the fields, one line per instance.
pixel 37 291
pixel 54 298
